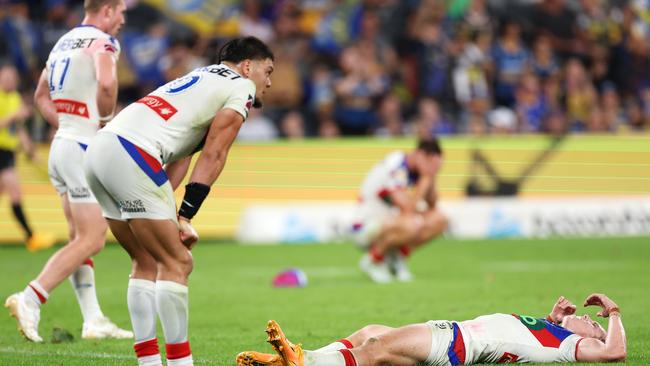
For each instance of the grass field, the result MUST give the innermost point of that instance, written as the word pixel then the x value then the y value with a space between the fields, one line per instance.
pixel 231 298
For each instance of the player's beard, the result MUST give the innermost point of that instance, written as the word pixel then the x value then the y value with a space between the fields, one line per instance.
pixel 257 103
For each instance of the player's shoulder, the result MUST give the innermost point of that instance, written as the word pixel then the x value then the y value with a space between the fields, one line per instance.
pixel 394 158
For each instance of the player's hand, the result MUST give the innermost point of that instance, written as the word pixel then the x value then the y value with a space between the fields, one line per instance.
pixel 604 302
pixel 188 234
pixel 562 308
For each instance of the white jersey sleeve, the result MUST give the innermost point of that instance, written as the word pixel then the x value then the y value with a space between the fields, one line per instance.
pixel 171 122
pixel 386 176
pixel 71 76
pixel 511 338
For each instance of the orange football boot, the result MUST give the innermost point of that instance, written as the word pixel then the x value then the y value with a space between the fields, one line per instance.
pixel 252 358
pixel 290 353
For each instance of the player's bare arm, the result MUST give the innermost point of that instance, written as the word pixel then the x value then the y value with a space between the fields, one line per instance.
pixel 221 134
pixel 561 308
pixel 403 200
pixel 106 73
pixel 44 101
pixel 614 347
pixel 177 170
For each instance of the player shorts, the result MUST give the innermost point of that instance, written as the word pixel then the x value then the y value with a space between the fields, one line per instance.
pixel 65 168
pixel 447 345
pixel 7 159
pixel 128 182
pixel 368 223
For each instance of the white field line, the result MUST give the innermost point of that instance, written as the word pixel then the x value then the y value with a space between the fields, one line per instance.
pixel 79 355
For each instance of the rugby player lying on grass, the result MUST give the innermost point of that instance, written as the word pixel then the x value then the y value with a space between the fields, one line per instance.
pixel 498 338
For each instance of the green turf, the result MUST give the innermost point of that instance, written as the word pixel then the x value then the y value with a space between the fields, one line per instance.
pixel 231 297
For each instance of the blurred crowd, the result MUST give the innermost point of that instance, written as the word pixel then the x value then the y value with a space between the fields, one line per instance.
pixel 385 67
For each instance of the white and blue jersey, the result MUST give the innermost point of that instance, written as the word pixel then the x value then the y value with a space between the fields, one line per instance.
pixel 374 205
pixel 72 79
pixel 171 122
pixel 512 338
pixel 125 160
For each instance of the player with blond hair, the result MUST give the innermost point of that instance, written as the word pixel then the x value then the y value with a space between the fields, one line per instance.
pixel 561 337
pixel 76 93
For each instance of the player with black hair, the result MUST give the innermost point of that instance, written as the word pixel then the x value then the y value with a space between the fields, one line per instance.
pixel 389 220
pixel 136 162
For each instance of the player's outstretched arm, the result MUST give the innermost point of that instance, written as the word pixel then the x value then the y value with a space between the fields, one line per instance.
pixel 44 102
pixel 614 347
pixel 106 74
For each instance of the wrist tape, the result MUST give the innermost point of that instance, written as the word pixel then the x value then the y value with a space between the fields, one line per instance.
pixel 195 193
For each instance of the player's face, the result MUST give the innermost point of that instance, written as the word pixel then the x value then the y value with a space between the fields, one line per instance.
pixel 115 18
pixel 260 73
pixel 584 326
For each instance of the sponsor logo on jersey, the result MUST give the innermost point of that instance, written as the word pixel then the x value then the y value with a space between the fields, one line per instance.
pixel 249 102
pixel 110 48
pixel 73 44
pixel 73 107
pixel 159 105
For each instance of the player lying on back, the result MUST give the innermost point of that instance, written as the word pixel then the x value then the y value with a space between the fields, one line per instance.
pixel 498 338
pixel 201 111
pixel 390 221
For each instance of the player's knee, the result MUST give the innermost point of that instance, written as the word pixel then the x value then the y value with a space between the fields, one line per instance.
pixel 375 352
pixel 372 330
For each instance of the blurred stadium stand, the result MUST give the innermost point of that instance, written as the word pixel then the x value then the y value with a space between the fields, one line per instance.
pixel 382 68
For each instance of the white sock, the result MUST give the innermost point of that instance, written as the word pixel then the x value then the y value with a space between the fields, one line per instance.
pixel 35 293
pixel 335 346
pixel 172 306
pixel 83 283
pixel 333 358
pixel 141 301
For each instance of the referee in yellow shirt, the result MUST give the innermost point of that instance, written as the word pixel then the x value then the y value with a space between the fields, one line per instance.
pixel 14 112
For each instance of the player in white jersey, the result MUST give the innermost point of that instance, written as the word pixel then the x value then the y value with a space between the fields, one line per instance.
pixel 77 92
pixel 389 220
pixel 498 338
pixel 136 162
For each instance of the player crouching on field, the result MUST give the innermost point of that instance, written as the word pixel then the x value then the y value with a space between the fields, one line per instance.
pixel 389 220
pixel 498 338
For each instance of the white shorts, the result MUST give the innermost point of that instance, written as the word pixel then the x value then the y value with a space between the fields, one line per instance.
pixel 368 222
pixel 442 336
pixel 65 168
pixel 128 182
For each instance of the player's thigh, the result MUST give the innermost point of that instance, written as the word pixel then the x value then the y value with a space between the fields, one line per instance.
pixel 404 346
pixel 143 262
pixel 65 203
pixel 402 224
pixel 89 221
